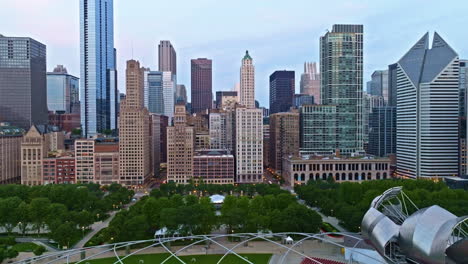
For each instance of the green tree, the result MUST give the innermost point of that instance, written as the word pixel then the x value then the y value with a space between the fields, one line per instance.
pixel 64 234
pixel 9 216
pixel 39 209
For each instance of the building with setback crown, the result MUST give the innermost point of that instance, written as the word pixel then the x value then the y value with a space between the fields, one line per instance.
pixel 341 60
pixel 310 81
pixel 23 88
pixel 99 94
pixel 427 110
pixel 134 145
pixel 180 148
pixel 247 82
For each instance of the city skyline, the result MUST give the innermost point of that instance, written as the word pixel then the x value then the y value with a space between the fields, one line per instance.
pixel 387 26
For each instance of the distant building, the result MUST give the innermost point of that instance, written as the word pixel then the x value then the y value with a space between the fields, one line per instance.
pixel 23 88
pixel 33 151
pixel 247 82
pixel 60 170
pixel 159 92
pixel 303 99
pixel 462 124
pixel 214 167
pixel 180 148
pixel 63 91
pixel 10 153
pixel 382 131
pixel 106 161
pixel 266 145
pixel 299 170
pixel 369 103
pixel 158 126
pixel 341 69
pixel 167 57
pixel 181 93
pixel 318 133
pixel 310 81
pixel 379 84
pixel 84 161
pixel 202 140
pixel 65 122
pixel 226 99
pixel 201 88
pixel 428 110
pixel 282 87
pixel 284 138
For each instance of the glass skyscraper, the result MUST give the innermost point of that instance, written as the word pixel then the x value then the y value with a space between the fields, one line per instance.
pixel 23 91
pixel 159 92
pixel 62 91
pixel 98 94
pixel 341 63
pixel 281 91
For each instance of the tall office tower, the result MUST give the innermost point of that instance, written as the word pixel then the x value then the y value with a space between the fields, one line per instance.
pixel 155 142
pixel 98 82
pixel 159 92
pixel 249 145
pixel 310 81
pixel 247 82
pixel 33 151
pixel 284 138
pixel 62 91
pixel 202 96
pixel 167 57
pixel 23 89
pixel 427 110
pixel 266 144
pixel 181 93
pixel 392 84
pixel 318 132
pixel 379 84
pixel 134 144
pixel 180 148
pixel 341 63
pixel 168 93
pixel 84 160
pixel 369 102
pixel 10 153
pixel 382 131
pixel 463 149
pixel 282 85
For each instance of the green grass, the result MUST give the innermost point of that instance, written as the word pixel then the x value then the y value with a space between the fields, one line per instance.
pixel 204 259
pixel 25 247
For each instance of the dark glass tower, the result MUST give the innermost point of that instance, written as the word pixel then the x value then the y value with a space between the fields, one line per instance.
pixel 202 96
pixel 281 91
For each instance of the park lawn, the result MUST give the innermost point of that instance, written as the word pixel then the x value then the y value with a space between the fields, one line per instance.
pixel 205 259
pixel 25 247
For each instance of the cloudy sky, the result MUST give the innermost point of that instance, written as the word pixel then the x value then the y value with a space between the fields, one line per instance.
pixel 278 34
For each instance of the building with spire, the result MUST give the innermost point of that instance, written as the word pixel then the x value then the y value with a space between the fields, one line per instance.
pixel 247 82
pixel 427 110
pixel 134 138
pixel 310 81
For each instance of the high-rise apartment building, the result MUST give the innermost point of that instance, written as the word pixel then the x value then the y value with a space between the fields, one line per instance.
pixel 221 129
pixel 247 82
pixel 284 138
pixel 379 84
pixel 249 145
pixel 310 81
pixel 382 131
pixel 427 110
pixel 134 141
pixel 341 61
pixel 33 151
pixel 202 95
pixel 180 148
pixel 98 82
pixel 167 57
pixel 318 132
pixel 23 89
pixel 10 153
pixel 62 91
pixel 282 85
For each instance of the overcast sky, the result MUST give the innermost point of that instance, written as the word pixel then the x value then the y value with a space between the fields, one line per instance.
pixel 278 34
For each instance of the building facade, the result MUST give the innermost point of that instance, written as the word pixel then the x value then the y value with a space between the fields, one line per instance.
pixel 282 87
pixel 201 89
pixel 427 110
pixel 134 140
pixel 63 91
pixel 23 88
pixel 341 69
pixel 462 125
pixel 226 99
pixel 180 148
pixel 379 84
pixel 249 145
pixel 299 170
pixel 33 151
pixel 98 82
pixel 65 122
pixel 247 82
pixel 214 167
pixel 10 153
pixel 106 162
pixel 167 57
pixel 284 138
pixel 382 131
pixel 60 170
pixel 84 160
pixel 317 128
pixel 310 81
pixel 181 93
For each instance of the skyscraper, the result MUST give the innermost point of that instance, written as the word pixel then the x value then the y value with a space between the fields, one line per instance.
pixel 134 138
pixel 382 131
pixel 98 85
pixel 62 91
pixel 284 138
pixel 318 133
pixel 247 82
pixel 202 95
pixel 463 152
pixel 180 148
pixel 341 82
pixel 159 92
pixel 379 84
pixel 282 85
pixel 181 93
pixel 23 89
pixel 167 57
pixel 310 81
pixel 427 110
